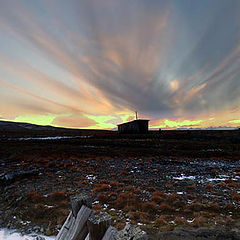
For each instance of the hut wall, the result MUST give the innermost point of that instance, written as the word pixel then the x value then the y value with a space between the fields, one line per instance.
pixel 137 126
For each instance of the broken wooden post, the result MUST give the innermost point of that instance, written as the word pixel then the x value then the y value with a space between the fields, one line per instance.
pixel 66 226
pixel 98 225
pixel 110 234
pixel 78 200
pixel 79 229
pixel 75 227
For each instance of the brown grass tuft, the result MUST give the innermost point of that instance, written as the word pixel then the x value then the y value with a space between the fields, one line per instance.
pixel 101 188
pixel 57 195
pixel 34 196
pixel 150 207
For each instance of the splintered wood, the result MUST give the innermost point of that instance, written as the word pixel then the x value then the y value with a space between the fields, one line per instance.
pixel 75 228
pixel 83 224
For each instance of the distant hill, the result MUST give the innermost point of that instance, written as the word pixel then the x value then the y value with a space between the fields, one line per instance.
pixel 8 128
pixel 19 126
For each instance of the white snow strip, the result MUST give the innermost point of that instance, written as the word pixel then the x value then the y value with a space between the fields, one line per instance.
pixel 6 234
pixel 183 177
pixel 48 138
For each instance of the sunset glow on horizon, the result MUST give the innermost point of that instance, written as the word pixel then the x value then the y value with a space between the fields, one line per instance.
pixel 92 63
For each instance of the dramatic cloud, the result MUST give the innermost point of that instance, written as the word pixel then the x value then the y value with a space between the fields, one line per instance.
pixel 91 63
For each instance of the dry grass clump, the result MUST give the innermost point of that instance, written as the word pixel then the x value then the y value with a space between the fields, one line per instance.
pixel 157 199
pixel 169 185
pixel 200 222
pixel 141 216
pixel 85 182
pixel 228 207
pixel 103 197
pixel 223 184
pixel 191 187
pixel 34 196
pixel 214 170
pixel 57 195
pixel 160 222
pixel 172 197
pixel 37 212
pixel 197 206
pixel 124 172
pixel 126 200
pixel 233 184
pixel 102 181
pixel 178 204
pixel 214 207
pixel 137 190
pixel 160 194
pixel 191 196
pixel 181 221
pixel 229 180
pixel 113 183
pixel 164 207
pixel 101 188
pixel 236 196
pixel 209 187
pixel 151 189
pixel 129 188
pixel 150 207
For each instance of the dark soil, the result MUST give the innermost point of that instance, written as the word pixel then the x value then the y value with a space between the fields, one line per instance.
pixel 160 181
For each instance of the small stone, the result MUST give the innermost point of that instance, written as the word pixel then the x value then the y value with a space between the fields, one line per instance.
pixel 39 238
pixel 48 232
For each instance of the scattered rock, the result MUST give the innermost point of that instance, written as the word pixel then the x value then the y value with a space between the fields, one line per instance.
pixel 201 233
pixel 39 238
pixel 131 232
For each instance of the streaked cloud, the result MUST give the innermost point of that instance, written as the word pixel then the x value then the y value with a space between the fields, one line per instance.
pixel 92 63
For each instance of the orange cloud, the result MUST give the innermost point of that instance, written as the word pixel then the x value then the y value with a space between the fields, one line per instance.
pixel 73 121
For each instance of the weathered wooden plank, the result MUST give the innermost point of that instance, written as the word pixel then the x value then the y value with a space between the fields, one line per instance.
pixel 98 225
pixel 78 200
pixel 65 228
pixel 110 234
pixel 79 230
pixel 87 237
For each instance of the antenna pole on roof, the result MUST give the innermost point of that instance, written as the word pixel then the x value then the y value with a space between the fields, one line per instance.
pixel 136 115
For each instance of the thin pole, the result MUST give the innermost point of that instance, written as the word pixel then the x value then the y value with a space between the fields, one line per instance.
pixel 136 115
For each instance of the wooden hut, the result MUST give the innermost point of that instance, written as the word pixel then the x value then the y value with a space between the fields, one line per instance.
pixel 136 126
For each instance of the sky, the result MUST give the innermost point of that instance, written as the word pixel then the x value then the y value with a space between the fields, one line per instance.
pixel 93 63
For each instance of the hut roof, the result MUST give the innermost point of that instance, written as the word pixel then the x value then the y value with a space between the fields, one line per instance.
pixel 134 121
